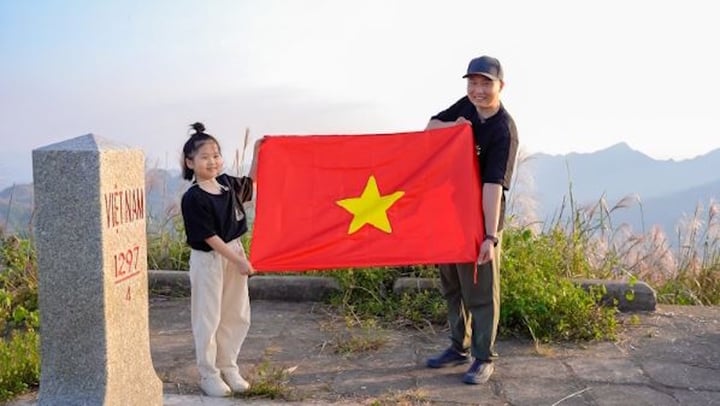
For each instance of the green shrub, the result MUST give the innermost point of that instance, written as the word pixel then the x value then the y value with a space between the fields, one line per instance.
pixel 368 293
pixel 18 285
pixel 19 363
pixel 365 292
pixel 19 352
pixel 422 308
pixel 538 300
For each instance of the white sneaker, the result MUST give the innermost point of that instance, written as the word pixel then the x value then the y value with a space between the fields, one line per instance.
pixel 235 381
pixel 214 386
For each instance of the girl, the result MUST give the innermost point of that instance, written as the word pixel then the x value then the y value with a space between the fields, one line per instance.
pixel 214 221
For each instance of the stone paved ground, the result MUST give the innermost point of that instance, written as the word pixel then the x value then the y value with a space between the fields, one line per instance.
pixel 667 357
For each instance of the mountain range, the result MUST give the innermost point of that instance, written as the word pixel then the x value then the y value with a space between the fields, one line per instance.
pixel 661 191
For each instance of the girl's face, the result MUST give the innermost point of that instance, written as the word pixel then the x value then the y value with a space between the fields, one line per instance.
pixel 483 92
pixel 207 162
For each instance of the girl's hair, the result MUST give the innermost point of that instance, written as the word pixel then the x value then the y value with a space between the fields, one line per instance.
pixel 196 141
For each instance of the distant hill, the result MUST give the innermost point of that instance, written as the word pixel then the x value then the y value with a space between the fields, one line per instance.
pixel 16 205
pixel 163 188
pixel 666 188
pixel 668 210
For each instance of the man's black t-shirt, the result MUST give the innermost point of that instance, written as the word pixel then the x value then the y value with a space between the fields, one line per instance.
pixel 206 214
pixel 496 142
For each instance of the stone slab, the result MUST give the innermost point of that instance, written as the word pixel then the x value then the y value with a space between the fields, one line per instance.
pixel 90 235
pixel 626 296
pixel 291 288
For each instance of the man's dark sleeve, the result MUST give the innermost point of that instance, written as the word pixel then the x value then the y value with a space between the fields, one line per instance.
pixel 450 114
pixel 243 187
pixel 501 158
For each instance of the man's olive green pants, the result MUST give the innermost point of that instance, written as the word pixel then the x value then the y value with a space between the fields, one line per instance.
pixel 473 306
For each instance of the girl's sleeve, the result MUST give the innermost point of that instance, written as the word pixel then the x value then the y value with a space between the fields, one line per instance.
pixel 198 219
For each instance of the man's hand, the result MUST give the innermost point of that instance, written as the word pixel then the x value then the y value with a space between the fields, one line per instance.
pixel 487 252
pixel 462 120
pixel 435 123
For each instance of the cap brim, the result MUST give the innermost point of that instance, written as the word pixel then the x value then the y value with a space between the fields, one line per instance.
pixel 487 75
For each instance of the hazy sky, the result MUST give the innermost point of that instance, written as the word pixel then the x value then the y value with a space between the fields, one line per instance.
pixel 580 76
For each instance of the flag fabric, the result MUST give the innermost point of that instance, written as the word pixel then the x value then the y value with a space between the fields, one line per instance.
pixel 336 201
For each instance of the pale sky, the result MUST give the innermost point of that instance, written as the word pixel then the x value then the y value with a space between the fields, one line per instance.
pixel 580 76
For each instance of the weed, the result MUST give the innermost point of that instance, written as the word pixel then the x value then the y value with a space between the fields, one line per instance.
pixel 358 336
pixel 269 382
pixel 404 398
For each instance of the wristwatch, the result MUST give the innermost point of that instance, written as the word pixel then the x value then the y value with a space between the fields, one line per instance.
pixel 492 238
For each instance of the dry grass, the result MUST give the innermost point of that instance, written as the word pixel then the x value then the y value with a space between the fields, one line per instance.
pixel 684 269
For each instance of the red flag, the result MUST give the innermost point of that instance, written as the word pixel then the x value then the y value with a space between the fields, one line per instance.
pixel 336 201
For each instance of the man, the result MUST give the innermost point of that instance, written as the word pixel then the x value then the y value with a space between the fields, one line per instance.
pixel 474 299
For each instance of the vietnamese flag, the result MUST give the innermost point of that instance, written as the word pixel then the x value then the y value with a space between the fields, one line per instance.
pixel 336 201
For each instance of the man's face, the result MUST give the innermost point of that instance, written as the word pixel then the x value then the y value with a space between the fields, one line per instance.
pixel 484 93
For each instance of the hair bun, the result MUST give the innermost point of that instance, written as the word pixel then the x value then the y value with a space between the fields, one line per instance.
pixel 198 127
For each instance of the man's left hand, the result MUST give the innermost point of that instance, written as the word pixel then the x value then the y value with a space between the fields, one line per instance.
pixel 487 252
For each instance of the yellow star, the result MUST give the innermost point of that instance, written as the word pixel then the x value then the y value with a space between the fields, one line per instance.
pixel 370 207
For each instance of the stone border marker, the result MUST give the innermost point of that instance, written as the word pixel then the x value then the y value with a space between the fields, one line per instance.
pixel 92 257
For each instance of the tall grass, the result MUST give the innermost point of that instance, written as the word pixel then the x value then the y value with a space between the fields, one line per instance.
pixel 686 274
pixel 166 244
pixel 696 277
pixel 683 270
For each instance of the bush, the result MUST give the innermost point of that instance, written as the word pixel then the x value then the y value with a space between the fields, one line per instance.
pixel 19 363
pixel 18 285
pixel 538 301
pixel 367 293
pixel 19 342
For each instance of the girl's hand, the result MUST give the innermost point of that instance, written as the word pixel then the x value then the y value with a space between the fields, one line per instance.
pixel 251 269
pixel 243 266
pixel 246 267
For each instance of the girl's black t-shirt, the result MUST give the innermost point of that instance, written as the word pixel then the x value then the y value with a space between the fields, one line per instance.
pixel 206 214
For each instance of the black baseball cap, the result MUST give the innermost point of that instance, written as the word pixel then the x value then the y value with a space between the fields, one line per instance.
pixel 486 66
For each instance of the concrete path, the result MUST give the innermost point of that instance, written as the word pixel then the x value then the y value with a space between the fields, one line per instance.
pixel 667 357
